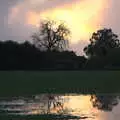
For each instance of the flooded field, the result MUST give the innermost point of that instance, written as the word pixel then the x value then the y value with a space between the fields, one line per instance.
pixel 63 106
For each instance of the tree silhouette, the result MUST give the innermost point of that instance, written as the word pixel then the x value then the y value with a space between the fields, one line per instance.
pixel 101 42
pixel 113 59
pixel 26 56
pixel 51 36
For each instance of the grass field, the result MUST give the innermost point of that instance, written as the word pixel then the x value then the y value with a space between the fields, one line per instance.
pixel 27 83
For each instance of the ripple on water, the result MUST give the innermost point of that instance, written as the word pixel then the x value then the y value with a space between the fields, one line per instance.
pixel 85 106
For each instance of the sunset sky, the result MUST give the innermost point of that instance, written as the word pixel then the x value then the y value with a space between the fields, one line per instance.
pixel 20 18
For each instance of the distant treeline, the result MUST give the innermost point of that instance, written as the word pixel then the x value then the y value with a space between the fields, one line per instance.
pixel 25 56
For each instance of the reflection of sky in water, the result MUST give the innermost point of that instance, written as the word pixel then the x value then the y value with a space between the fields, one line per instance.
pixel 77 105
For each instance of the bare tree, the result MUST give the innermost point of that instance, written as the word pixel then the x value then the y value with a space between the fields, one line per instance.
pixel 51 36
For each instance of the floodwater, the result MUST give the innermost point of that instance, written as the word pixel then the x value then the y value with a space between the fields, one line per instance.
pixel 89 107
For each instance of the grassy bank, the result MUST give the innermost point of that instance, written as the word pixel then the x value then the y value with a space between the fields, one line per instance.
pixel 27 83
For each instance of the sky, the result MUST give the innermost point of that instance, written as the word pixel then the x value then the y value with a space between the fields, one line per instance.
pixel 19 19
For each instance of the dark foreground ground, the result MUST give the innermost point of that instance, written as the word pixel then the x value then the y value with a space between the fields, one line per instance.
pixel 27 83
pixel 41 117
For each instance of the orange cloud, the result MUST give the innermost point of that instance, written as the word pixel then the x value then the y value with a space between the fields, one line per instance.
pixel 33 18
pixel 82 17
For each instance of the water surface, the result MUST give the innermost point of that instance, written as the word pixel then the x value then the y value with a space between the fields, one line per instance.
pixel 89 107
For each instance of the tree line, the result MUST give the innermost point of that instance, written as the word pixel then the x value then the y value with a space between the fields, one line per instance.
pixel 25 56
pixel 49 51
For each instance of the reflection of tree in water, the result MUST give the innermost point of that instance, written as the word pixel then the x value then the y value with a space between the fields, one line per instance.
pixel 104 102
pixel 55 102
pixel 52 103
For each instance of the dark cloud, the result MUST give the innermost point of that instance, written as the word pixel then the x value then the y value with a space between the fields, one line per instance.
pixel 113 16
pixel 5 6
